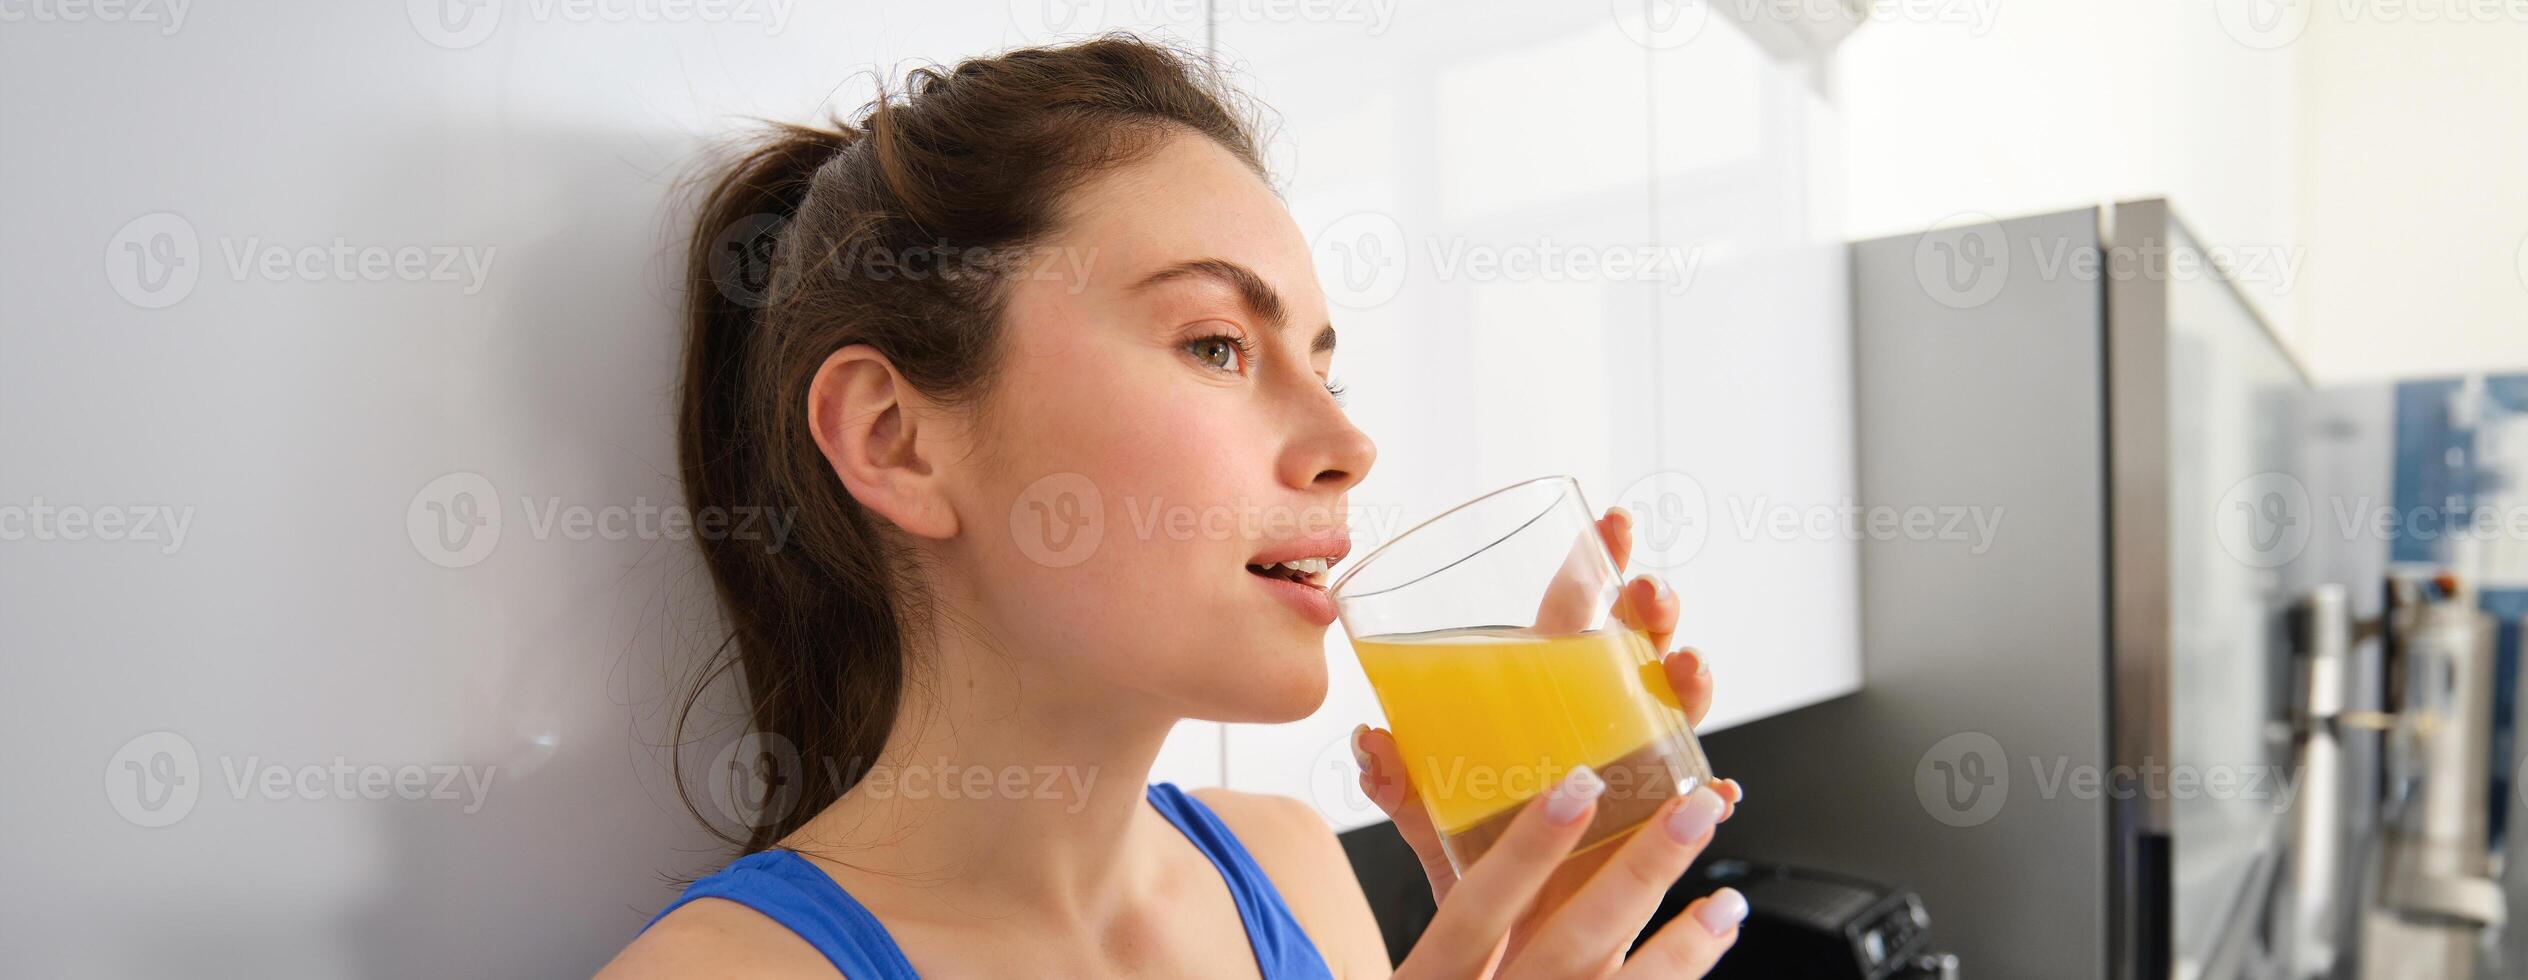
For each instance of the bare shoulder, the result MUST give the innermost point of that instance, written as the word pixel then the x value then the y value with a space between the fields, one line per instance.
pixel 1298 850
pixel 714 937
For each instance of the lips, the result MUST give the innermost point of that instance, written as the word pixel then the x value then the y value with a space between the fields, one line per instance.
pixel 1312 602
pixel 1297 571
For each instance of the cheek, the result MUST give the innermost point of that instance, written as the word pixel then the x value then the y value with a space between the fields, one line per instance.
pixel 1122 554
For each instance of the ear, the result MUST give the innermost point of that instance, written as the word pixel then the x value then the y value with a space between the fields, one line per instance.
pixel 880 438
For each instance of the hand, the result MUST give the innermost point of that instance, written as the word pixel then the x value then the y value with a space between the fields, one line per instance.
pixel 1385 780
pixel 1589 934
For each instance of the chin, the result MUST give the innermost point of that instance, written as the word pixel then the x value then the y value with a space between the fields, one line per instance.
pixel 1278 690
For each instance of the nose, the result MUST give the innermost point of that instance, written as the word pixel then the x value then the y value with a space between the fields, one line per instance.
pixel 1332 455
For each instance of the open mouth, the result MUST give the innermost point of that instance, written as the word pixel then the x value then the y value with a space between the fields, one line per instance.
pixel 1305 571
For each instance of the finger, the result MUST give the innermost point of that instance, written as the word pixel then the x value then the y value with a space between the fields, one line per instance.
pixel 1731 791
pixel 1647 604
pixel 1572 600
pixel 1470 927
pixel 1390 785
pixel 1690 676
pixel 1600 921
pixel 1617 528
pixel 1692 942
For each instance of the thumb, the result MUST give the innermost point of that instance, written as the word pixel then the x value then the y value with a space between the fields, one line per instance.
pixel 1384 778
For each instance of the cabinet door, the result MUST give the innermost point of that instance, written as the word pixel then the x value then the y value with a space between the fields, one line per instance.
pixel 1749 506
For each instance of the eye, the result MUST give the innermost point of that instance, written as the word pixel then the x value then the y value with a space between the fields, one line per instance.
pixel 1337 390
pixel 1222 345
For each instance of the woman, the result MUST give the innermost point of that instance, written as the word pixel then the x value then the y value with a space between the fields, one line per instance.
pixel 1053 276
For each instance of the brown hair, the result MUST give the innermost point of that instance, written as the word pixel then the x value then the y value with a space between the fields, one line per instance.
pixel 816 238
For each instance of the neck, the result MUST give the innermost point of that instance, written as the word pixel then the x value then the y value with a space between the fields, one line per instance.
pixel 1000 790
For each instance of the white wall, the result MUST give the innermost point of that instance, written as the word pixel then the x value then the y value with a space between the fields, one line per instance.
pixel 2003 109
pixel 2416 195
pixel 2361 158
pixel 298 422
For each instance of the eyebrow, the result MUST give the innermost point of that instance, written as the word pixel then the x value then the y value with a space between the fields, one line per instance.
pixel 1258 295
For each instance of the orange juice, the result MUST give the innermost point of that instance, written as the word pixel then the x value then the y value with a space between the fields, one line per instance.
pixel 1488 717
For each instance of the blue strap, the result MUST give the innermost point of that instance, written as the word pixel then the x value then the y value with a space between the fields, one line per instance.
pixel 799 895
pixel 1283 950
pixel 792 891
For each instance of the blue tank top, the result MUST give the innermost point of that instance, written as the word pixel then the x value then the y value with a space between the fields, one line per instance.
pixel 789 890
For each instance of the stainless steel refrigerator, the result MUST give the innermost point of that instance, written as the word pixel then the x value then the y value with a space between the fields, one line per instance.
pixel 2072 737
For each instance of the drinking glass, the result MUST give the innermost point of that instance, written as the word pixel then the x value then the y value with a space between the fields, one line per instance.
pixel 1492 636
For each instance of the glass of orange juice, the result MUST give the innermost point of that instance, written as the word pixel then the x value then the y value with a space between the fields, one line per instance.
pixel 1492 636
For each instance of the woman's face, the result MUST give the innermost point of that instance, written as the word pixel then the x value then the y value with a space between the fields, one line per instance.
pixel 1138 462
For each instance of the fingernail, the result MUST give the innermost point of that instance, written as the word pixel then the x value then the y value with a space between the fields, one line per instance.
pixel 1360 755
pixel 1572 796
pixel 1742 790
pixel 1702 664
pixel 1664 593
pixel 1619 509
pixel 1723 911
pixel 1695 817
